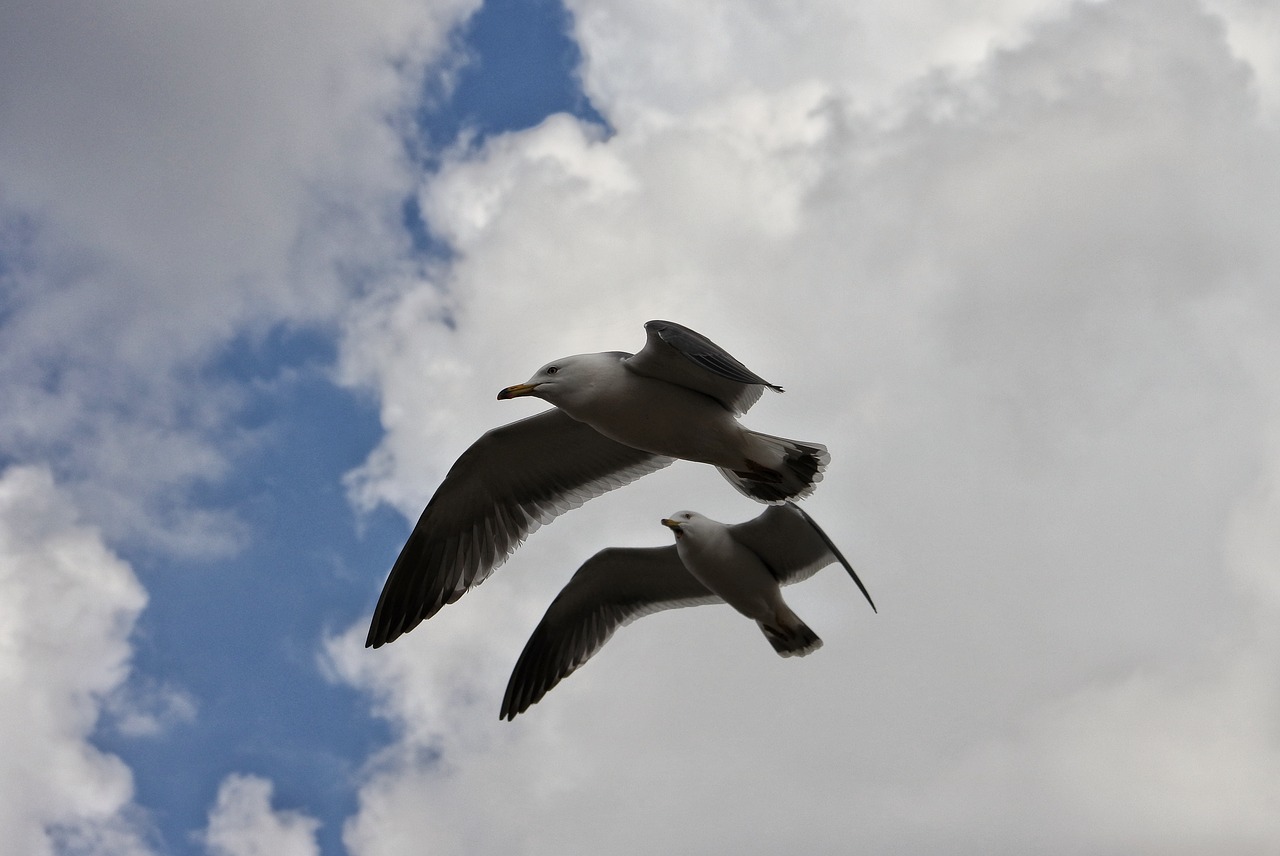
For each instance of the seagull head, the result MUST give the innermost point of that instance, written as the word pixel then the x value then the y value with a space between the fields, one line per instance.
pixel 557 379
pixel 684 522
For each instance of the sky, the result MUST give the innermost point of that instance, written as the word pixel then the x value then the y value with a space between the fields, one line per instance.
pixel 263 269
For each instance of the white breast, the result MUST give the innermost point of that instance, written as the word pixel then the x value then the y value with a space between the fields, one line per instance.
pixel 730 570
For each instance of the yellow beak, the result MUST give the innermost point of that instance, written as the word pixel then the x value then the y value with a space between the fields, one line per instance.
pixel 517 391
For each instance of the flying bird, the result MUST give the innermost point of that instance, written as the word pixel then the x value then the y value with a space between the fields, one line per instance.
pixel 617 417
pixel 743 565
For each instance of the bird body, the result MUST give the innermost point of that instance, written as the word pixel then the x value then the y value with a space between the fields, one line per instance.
pixel 643 412
pixel 744 565
pixel 738 576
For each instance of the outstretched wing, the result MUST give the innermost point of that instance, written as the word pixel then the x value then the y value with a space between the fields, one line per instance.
pixel 507 484
pixel 613 588
pixel 678 355
pixel 792 545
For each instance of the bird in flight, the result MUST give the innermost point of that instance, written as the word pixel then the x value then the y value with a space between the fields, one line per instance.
pixel 617 417
pixel 743 565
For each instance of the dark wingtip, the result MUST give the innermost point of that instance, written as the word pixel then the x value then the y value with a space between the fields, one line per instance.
pixel 381 630
pixel 511 707
pixel 835 551
pixel 861 587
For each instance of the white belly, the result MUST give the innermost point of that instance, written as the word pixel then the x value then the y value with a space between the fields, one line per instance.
pixel 735 574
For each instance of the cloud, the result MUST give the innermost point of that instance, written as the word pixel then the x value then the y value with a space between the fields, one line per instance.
pixel 146 708
pixel 1253 32
pixel 683 58
pixel 175 183
pixel 67 606
pixel 640 63
pixel 178 181
pixel 242 823
pixel 1026 303
pixel 1178 761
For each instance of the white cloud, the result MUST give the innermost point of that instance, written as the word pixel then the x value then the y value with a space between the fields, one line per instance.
pixel 681 57
pixel 1028 306
pixel 242 823
pixel 67 606
pixel 146 708
pixel 176 176
pixel 173 178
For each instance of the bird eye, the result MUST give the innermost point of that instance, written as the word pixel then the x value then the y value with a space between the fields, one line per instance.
pixel 552 369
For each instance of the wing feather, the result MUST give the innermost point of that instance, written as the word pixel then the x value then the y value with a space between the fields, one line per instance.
pixel 507 484
pixel 611 589
pixel 792 545
pixel 676 354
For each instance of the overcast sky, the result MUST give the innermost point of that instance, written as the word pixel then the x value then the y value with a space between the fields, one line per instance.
pixel 263 269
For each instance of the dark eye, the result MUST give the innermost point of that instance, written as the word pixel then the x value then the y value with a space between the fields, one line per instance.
pixel 552 369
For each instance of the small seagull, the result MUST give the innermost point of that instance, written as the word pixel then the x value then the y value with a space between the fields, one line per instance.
pixel 743 565
pixel 617 417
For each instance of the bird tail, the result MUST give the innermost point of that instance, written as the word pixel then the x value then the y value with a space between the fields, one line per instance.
pixel 796 472
pixel 791 637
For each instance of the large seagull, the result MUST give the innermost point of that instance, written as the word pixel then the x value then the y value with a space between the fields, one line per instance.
pixel 617 417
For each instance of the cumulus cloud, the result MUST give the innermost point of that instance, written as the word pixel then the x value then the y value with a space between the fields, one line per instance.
pixel 175 178
pixel 175 181
pixel 67 606
pixel 683 58
pixel 1026 301
pixel 243 823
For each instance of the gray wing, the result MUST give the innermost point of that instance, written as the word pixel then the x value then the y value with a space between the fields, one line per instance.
pixel 792 545
pixel 679 355
pixel 507 484
pixel 613 588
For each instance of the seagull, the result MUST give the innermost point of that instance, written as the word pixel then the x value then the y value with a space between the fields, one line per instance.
pixel 617 417
pixel 743 565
